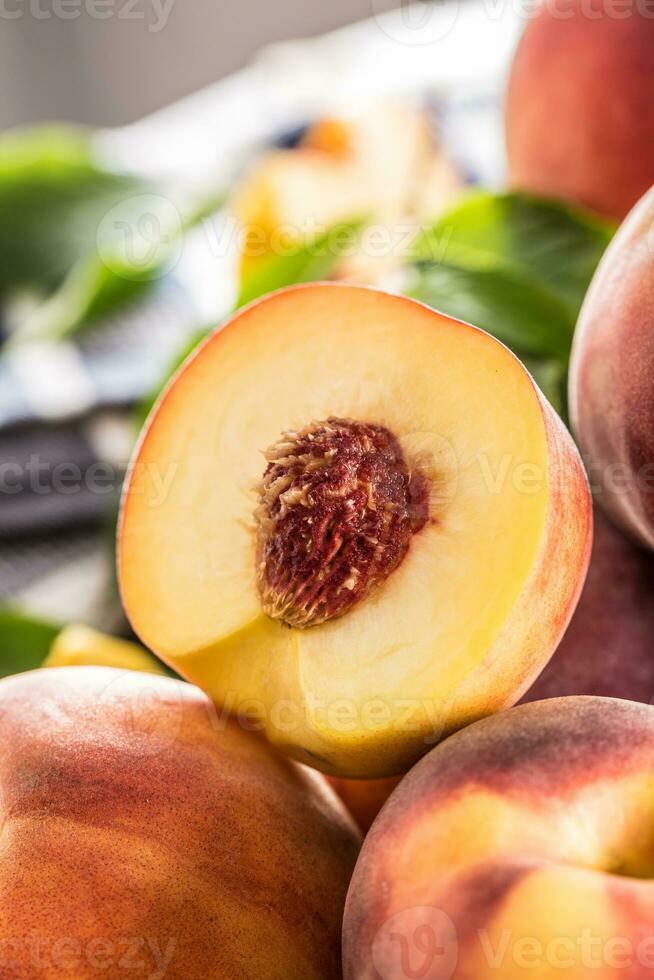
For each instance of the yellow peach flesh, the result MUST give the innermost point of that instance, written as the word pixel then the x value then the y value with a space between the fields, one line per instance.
pixel 463 409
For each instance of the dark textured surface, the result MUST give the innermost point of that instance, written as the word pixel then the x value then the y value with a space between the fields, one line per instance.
pixel 338 510
pixel 608 649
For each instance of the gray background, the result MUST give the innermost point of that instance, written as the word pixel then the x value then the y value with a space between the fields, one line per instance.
pixel 59 60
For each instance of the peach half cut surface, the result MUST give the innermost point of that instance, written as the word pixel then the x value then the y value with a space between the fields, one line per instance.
pixel 357 521
pixel 521 847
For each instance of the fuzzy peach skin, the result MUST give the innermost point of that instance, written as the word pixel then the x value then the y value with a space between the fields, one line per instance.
pixel 460 629
pixel 608 648
pixel 143 836
pixel 580 104
pixel 612 372
pixel 520 847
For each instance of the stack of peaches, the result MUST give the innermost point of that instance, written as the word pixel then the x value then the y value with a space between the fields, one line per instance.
pixel 375 536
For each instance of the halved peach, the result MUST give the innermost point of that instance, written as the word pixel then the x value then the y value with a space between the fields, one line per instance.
pixel 404 559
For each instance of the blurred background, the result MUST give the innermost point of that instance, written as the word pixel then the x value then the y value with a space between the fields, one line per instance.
pixel 108 63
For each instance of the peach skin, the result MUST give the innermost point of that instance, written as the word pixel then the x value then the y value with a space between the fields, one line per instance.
pixel 144 835
pixel 364 798
pixel 580 104
pixel 608 648
pixel 520 847
pixel 611 372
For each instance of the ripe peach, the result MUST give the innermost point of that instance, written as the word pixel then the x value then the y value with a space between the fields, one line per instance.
pixel 612 367
pixel 580 104
pixel 141 832
pixel 608 648
pixel 520 847
pixel 403 561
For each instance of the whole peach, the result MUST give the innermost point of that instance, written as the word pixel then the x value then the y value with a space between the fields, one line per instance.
pixel 143 834
pixel 612 372
pixel 519 847
pixel 580 104
pixel 608 648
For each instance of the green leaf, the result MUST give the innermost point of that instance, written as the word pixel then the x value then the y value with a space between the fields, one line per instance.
pixel 24 641
pixel 538 239
pixel 519 268
pixel 113 275
pixel 522 314
pixel 53 194
pixel 310 262
pixel 91 290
